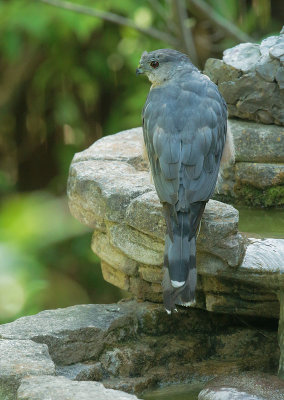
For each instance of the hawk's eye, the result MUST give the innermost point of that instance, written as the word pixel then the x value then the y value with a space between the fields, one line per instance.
pixel 154 64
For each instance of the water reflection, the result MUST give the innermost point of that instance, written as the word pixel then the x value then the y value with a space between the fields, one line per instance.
pixel 257 222
pixel 175 392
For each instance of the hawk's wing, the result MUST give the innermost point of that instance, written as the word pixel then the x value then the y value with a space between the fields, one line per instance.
pixel 184 127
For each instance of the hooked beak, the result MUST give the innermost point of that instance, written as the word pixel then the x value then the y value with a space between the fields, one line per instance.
pixel 139 71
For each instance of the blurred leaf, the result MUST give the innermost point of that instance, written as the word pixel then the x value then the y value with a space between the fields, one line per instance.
pixel 21 280
pixel 36 221
pixel 228 9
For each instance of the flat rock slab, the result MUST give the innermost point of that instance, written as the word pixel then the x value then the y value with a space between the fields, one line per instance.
pixel 259 175
pixel 249 289
pixel 257 143
pixel 104 189
pixel 249 386
pixel 19 358
pixel 128 148
pixel 259 159
pixel 251 79
pixel 73 334
pixel 60 388
pixel 263 265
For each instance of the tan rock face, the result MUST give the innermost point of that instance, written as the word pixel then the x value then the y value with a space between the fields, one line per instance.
pixel 109 188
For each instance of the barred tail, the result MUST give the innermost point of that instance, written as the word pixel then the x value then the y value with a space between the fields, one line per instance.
pixel 180 257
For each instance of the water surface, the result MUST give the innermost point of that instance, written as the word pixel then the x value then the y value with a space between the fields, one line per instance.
pixel 257 222
pixel 175 392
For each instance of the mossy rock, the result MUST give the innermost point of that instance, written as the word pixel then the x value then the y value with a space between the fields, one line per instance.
pixel 255 197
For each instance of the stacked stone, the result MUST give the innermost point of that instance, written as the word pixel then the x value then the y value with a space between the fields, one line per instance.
pixel 110 190
pixel 251 79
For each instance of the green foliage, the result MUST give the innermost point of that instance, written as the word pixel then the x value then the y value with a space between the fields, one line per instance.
pixel 274 196
pixel 45 255
pixel 69 79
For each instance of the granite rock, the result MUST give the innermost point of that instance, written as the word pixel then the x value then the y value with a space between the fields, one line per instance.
pixel 103 189
pixel 73 334
pixel 145 346
pixel 88 371
pixel 20 358
pixel 103 248
pixel 249 386
pixel 61 388
pixel 243 56
pixel 128 148
pixel 250 77
pixel 259 161
pixel 249 289
pixel 115 276
pixel 136 245
pixel 257 143
pixel 259 175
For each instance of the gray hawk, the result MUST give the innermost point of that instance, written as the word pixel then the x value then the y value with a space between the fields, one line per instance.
pixel 184 129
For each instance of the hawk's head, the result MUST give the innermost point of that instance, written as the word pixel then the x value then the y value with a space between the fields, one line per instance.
pixel 160 65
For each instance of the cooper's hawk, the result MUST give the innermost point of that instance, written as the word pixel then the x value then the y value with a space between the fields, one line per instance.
pixel 184 127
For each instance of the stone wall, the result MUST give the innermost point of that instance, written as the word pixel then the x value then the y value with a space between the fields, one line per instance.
pixel 110 190
pixel 257 177
pixel 251 78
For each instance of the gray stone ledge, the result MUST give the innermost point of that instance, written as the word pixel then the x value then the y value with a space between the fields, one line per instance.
pixel 61 388
pixel 128 148
pixel 259 175
pixel 20 358
pixel 72 334
pixel 257 142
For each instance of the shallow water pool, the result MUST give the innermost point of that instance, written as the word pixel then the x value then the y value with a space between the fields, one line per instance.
pixel 257 222
pixel 175 392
